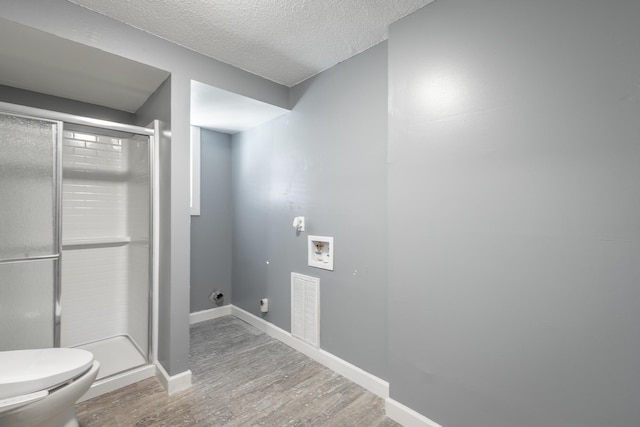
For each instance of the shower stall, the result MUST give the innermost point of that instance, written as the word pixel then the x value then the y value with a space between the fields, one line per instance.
pixel 76 237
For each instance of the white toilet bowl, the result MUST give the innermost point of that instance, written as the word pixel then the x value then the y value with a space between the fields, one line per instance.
pixel 39 388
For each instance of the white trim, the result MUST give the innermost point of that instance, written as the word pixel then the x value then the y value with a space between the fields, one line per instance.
pixel 406 416
pixel 173 384
pixel 195 170
pixel 370 382
pixel 155 240
pixel 394 410
pixel 212 313
pixel 398 412
pixel 115 382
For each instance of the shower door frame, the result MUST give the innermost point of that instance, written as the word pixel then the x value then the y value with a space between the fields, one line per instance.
pixel 61 119
pixel 56 256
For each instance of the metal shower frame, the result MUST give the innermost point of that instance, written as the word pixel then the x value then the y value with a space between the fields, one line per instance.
pixel 61 118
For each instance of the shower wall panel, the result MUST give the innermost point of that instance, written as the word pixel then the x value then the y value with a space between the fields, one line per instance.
pixel 95 303
pixel 94 294
pixel 94 187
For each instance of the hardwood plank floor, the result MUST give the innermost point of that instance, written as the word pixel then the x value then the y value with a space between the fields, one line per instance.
pixel 241 377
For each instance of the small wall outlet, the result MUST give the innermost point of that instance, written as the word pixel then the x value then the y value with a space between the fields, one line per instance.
pixel 264 305
pixel 298 223
pixel 216 296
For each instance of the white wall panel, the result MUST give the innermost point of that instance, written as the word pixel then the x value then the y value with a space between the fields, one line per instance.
pixel 105 207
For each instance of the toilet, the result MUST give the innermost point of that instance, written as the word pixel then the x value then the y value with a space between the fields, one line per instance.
pixel 40 387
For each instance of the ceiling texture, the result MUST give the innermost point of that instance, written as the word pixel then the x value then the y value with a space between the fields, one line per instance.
pixel 286 41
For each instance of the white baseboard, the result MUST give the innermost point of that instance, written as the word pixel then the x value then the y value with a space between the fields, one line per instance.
pixel 173 384
pixel 213 313
pixel 115 382
pixel 394 410
pixel 370 382
pixel 406 416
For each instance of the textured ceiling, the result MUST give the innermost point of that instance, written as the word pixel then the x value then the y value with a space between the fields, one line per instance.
pixel 286 41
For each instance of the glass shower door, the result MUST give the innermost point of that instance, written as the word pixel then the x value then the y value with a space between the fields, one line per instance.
pixel 29 232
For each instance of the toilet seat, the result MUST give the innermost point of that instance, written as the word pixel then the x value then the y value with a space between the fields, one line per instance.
pixel 28 373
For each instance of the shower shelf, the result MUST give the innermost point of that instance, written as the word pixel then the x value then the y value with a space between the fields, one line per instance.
pixel 97 241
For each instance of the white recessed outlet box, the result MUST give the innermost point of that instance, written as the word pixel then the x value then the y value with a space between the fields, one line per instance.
pixel 320 252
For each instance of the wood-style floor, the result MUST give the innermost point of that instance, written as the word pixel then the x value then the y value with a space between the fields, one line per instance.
pixel 241 377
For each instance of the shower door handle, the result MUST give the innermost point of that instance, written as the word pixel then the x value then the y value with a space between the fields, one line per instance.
pixel 33 258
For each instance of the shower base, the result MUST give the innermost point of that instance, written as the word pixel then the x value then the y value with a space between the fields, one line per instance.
pixel 116 355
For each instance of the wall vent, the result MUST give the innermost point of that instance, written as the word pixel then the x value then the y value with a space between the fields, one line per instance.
pixel 305 308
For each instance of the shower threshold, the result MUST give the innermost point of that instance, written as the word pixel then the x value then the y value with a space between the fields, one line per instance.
pixel 116 355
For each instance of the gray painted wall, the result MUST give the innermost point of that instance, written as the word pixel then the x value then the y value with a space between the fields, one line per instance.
pixel 513 236
pixel 513 208
pixel 326 160
pixel 158 107
pixel 211 231
pixel 67 20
